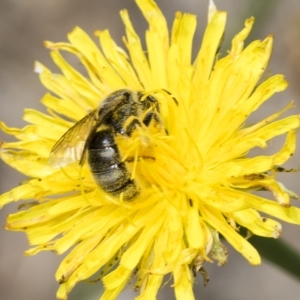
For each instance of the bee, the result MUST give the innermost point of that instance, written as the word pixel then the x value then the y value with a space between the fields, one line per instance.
pixel 95 134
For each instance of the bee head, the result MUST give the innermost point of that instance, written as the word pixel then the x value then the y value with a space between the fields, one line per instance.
pixel 148 101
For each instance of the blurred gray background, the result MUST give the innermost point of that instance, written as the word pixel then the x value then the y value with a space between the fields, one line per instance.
pixel 23 27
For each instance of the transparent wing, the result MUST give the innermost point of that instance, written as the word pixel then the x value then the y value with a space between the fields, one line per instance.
pixel 70 147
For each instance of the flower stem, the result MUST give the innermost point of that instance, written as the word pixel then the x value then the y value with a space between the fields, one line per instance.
pixel 279 253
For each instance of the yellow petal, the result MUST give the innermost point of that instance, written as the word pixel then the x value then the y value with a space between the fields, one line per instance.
pixel 208 50
pixel 101 66
pixel 118 60
pixel 216 220
pixel 183 283
pixel 138 57
pixel 256 224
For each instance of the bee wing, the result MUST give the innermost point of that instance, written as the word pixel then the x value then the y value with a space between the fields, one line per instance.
pixel 70 147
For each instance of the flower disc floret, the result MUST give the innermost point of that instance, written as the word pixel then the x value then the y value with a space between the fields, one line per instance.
pixel 194 174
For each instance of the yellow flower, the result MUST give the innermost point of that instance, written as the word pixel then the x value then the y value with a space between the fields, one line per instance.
pixel 195 179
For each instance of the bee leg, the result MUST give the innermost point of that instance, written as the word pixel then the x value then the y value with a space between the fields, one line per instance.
pixel 151 116
pixel 156 117
pixel 131 158
pixel 146 121
pixel 132 126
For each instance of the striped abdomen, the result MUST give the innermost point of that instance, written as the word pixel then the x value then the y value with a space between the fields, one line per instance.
pixel 109 171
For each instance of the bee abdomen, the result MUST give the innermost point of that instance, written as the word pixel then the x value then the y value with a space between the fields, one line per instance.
pixel 110 173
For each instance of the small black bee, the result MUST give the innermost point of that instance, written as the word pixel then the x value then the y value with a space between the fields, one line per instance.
pixel 95 134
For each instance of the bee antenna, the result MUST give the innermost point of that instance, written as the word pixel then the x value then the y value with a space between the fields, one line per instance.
pixel 175 100
pixel 161 91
